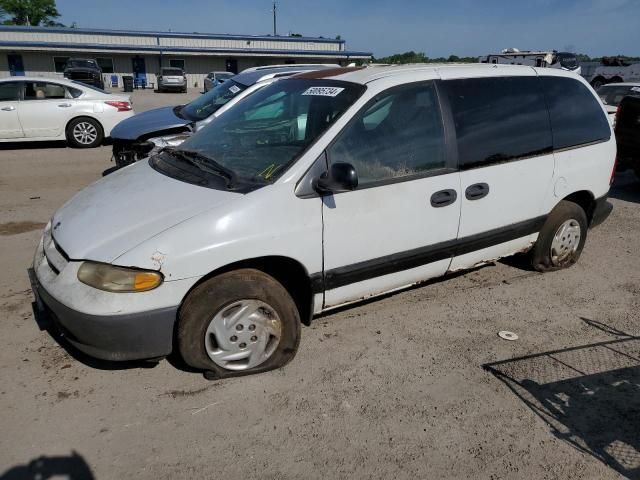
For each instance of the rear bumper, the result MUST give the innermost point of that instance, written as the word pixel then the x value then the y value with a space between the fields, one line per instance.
pixel 133 336
pixel 173 86
pixel 601 211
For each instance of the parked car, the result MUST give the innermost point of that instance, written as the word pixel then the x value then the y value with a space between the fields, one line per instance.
pixel 322 190
pixel 84 70
pixel 37 109
pixel 171 78
pixel 131 138
pixel 612 93
pixel 214 78
pixel 628 134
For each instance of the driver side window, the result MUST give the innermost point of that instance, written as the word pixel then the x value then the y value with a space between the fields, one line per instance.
pixel 401 134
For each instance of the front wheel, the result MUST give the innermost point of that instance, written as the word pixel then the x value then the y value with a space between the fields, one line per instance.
pixel 84 132
pixel 238 323
pixel 561 238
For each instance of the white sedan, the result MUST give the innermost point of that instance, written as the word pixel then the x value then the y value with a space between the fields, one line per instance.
pixel 39 109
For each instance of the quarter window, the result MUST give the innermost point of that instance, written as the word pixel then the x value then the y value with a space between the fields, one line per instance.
pixel 399 135
pixel 498 119
pixel 576 115
pixel 9 91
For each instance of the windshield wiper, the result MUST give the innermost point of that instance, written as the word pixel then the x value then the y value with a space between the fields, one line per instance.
pixel 204 163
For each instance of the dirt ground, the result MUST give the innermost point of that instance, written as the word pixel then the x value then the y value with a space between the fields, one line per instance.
pixel 413 385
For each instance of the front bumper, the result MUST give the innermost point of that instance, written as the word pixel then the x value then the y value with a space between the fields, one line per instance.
pixel 601 211
pixel 104 325
pixel 133 336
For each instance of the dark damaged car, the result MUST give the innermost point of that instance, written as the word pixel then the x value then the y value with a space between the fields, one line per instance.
pixel 131 137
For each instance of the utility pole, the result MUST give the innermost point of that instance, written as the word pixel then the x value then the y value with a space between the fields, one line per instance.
pixel 275 31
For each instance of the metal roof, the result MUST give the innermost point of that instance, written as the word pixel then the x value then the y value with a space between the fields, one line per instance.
pixel 192 50
pixel 143 33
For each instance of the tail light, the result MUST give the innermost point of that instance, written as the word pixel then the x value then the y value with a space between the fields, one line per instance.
pixel 121 106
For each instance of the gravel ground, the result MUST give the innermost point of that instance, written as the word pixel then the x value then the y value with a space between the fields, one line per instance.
pixel 403 387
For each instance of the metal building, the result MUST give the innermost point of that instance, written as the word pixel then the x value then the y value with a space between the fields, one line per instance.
pixel 40 51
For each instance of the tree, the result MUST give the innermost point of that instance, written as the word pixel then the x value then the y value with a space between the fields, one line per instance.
pixel 31 12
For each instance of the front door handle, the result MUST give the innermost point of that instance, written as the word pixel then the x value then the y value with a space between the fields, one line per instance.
pixel 476 191
pixel 9 108
pixel 443 198
pixel 64 105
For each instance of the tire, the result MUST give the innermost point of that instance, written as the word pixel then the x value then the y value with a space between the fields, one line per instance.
pixel 203 325
pixel 84 132
pixel 569 246
pixel 616 80
pixel 598 82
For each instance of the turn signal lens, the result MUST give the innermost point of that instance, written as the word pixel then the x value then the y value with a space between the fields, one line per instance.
pixel 111 278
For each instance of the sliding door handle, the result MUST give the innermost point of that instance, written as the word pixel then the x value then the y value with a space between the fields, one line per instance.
pixel 443 198
pixel 476 191
pixel 8 108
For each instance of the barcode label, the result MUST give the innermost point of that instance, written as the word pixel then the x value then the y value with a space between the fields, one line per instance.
pixel 323 91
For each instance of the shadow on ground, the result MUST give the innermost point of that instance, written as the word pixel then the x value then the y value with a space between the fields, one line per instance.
pixel 40 145
pixel 72 467
pixel 588 395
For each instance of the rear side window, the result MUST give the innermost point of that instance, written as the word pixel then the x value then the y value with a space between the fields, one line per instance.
pixel 576 115
pixel 498 119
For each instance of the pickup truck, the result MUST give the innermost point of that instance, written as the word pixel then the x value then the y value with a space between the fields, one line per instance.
pixel 628 134
pixel 84 70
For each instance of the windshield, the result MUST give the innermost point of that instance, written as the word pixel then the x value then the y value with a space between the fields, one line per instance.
pixel 81 64
pixel 211 101
pixel 167 72
pixel 261 136
pixel 567 60
pixel 613 95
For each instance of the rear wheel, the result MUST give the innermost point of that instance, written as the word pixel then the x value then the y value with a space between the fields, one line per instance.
pixel 598 82
pixel 561 239
pixel 84 132
pixel 238 323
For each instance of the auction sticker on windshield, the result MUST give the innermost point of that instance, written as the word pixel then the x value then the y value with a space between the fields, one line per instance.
pixel 234 89
pixel 323 91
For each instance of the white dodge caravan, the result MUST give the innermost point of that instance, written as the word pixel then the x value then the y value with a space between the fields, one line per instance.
pixel 321 190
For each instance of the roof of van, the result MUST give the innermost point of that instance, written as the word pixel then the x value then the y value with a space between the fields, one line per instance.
pixel 369 74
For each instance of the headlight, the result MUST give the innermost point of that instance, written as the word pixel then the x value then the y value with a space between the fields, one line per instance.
pixel 118 279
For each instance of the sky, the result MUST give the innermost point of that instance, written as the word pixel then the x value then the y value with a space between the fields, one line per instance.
pixel 437 28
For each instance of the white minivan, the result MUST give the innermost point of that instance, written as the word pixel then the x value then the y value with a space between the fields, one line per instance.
pixel 321 190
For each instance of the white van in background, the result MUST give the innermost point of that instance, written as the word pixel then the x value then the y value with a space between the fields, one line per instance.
pixel 551 59
pixel 319 191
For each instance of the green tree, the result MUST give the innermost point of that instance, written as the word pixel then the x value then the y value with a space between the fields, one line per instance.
pixel 31 12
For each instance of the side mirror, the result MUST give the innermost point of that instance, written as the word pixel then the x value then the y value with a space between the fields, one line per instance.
pixel 341 177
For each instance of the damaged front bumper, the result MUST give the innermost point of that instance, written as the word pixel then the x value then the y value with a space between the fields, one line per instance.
pixel 104 325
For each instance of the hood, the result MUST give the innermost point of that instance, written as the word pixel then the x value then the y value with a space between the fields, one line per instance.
pixel 147 123
pixel 122 210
